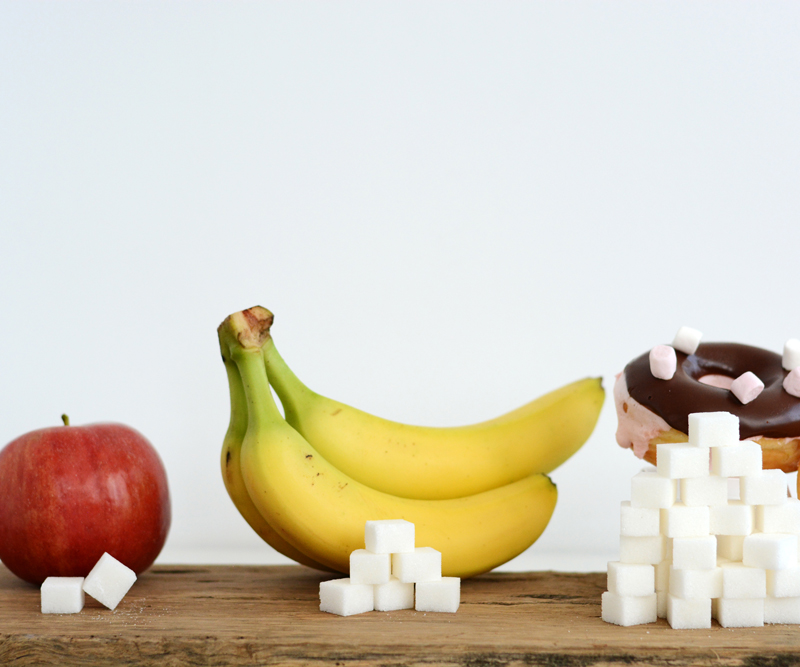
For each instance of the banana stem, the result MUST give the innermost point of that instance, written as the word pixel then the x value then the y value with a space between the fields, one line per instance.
pixel 286 384
pixel 261 407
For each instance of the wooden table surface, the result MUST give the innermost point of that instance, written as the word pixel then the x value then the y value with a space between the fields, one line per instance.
pixel 243 615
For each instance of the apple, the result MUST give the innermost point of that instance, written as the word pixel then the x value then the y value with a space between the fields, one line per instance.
pixel 70 493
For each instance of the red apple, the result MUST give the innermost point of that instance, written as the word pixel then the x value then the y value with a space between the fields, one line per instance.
pixel 70 493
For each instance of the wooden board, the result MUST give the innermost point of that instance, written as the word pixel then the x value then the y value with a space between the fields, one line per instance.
pixel 236 615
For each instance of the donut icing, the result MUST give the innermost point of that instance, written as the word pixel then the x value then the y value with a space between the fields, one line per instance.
pixel 774 414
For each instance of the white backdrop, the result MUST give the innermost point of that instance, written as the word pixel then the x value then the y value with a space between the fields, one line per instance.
pixel 451 208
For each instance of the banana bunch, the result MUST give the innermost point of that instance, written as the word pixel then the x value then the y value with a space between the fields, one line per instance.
pixel 308 483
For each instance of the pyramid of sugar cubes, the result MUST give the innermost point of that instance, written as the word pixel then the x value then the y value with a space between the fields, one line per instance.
pixel 707 535
pixel 391 573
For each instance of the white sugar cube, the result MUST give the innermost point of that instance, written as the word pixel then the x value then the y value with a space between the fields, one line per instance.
pixel 765 487
pixel 782 518
pixel 740 581
pixel 791 354
pixel 730 547
pixel 109 581
pixel 642 550
pixel 627 611
pixel 782 610
pixel 709 491
pixel 743 458
pixel 770 551
pixel 694 553
pixel 682 521
pixel 694 584
pixel 677 460
pixel 443 595
pixel 649 489
pixel 62 595
pixel 662 575
pixel 389 536
pixel 688 614
pixel 344 598
pixel 687 340
pixel 631 579
pixel 638 521
pixel 713 429
pixel 422 564
pixel 369 568
pixel 784 583
pixel 739 612
pixel 393 595
pixel 735 518
pixel 733 488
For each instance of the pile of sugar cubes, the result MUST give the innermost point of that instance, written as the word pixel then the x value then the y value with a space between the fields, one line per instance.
pixel 108 582
pixel 708 534
pixel 391 573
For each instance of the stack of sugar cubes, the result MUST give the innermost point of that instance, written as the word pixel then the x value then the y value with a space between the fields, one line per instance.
pixel 708 534
pixel 391 573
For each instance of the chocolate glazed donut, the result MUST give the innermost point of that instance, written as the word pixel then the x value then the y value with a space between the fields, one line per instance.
pixel 773 418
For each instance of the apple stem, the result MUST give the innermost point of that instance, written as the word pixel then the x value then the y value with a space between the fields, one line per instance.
pixel 65 419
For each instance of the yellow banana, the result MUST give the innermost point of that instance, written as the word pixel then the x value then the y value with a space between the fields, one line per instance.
pixel 430 462
pixel 322 512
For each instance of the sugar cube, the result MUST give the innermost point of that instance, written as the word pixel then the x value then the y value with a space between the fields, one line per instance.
pixel 677 460
pixel 695 491
pixel 781 518
pixel 740 581
pixel 770 551
pixel 344 598
pixel 730 547
pixel 109 581
pixel 713 429
pixel 442 595
pixel 642 550
pixel 743 458
pixel 791 383
pixel 631 579
pixel 693 584
pixel 747 387
pixel 638 521
pixel 784 583
pixel 687 340
pixel 739 612
pixel 694 553
pixel 389 536
pixel 627 611
pixel 735 518
pixel 62 595
pixel 688 614
pixel 663 362
pixel 791 354
pixel 422 564
pixel 682 521
pixel 369 568
pixel 649 489
pixel 765 487
pixel 393 595
pixel 782 610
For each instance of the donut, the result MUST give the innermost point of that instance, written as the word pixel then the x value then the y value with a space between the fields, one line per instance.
pixel 652 411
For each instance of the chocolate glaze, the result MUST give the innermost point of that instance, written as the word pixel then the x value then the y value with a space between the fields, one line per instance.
pixel 774 413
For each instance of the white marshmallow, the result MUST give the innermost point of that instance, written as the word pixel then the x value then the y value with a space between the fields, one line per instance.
pixel 630 579
pixel 62 595
pixel 677 460
pixel 747 387
pixel 687 340
pixel 649 489
pixel 766 487
pixel 109 581
pixel 743 458
pixel 627 611
pixel 713 429
pixel 638 521
pixel 791 383
pixel 791 354
pixel 663 362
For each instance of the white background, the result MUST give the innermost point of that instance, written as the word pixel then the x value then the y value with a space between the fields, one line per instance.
pixel 451 208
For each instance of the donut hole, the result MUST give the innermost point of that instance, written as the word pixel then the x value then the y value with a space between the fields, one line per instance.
pixel 717 380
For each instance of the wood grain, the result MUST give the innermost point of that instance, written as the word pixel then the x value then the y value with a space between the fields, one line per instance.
pixel 236 615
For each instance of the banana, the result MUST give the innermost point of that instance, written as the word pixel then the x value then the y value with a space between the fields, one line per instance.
pixel 436 463
pixel 322 512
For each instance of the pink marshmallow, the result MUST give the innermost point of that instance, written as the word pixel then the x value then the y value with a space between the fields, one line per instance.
pixel 663 362
pixel 747 387
pixel 791 383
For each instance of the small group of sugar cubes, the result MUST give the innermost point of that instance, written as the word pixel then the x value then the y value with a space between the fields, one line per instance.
pixel 708 534
pixel 108 582
pixel 391 573
pixel 747 387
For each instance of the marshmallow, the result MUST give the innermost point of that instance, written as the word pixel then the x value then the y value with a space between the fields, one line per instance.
pixel 747 387
pixel 663 362
pixel 791 354
pixel 791 383
pixel 687 340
